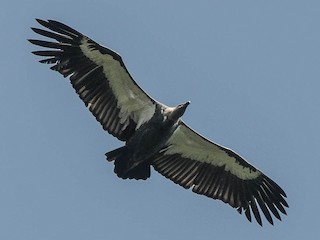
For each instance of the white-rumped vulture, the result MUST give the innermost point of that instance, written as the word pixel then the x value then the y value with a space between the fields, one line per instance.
pixel 153 133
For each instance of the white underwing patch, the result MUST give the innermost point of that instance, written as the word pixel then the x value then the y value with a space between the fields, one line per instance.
pixel 131 101
pixel 190 145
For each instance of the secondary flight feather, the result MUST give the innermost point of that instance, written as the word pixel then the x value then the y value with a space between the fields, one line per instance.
pixel 154 133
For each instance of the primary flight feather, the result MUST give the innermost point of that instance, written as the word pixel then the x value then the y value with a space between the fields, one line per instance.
pixel 153 133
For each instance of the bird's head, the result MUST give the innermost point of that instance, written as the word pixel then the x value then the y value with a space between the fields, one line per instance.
pixel 178 111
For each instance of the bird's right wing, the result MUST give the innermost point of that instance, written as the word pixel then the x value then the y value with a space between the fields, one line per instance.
pixel 191 160
pixel 99 76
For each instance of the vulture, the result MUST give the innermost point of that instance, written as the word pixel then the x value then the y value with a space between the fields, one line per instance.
pixel 154 133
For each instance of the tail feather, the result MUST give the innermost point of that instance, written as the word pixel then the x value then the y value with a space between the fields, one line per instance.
pixel 124 168
pixel 114 154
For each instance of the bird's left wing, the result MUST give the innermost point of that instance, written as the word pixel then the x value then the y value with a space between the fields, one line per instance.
pixel 99 77
pixel 191 160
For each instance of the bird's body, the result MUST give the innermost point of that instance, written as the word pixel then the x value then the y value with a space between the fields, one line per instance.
pixel 134 160
pixel 154 133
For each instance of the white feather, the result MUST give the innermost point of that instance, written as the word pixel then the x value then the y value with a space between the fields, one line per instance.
pixel 190 145
pixel 132 102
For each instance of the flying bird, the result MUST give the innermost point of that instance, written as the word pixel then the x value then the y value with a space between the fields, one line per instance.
pixel 154 133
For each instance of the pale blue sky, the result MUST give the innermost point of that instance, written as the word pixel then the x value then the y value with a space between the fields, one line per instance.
pixel 251 71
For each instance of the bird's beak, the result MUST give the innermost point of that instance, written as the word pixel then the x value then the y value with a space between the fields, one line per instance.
pixel 186 104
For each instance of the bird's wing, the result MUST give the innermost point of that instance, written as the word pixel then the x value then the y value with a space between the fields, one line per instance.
pixel 191 160
pixel 99 77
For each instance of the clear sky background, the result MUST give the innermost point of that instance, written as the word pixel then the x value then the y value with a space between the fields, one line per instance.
pixel 251 71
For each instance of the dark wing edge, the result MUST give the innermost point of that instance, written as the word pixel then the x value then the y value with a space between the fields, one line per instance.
pixel 193 161
pixel 98 76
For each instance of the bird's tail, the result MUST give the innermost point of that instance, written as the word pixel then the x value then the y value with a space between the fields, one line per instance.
pixel 124 168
